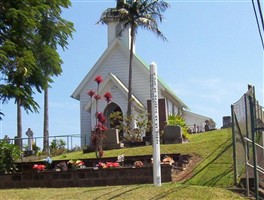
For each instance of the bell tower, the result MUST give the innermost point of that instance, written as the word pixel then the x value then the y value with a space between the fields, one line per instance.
pixel 115 29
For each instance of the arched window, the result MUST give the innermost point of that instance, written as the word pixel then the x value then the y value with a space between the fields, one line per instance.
pixel 112 107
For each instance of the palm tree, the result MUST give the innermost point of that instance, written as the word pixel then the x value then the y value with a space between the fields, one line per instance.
pixel 134 14
pixel 54 32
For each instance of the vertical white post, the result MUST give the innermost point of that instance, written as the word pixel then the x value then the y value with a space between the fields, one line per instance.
pixel 263 142
pixel 155 124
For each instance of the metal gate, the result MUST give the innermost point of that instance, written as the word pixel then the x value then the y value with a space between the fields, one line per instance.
pixel 248 151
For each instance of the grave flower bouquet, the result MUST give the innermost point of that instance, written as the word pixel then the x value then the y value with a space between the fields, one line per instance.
pixel 48 163
pixel 108 165
pixel 39 167
pixel 138 164
pixel 76 164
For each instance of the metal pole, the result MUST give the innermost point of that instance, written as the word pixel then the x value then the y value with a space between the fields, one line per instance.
pixel 71 142
pixel 252 113
pixel 247 122
pixel 234 144
pixel 262 144
pixel 246 160
pixel 68 145
pixel 155 124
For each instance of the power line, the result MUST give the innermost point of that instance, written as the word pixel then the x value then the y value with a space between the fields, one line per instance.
pixel 260 13
pixel 256 16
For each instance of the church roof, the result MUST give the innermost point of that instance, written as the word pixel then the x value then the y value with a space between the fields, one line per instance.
pixel 137 60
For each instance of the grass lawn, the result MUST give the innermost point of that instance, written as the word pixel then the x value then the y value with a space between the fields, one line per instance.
pixel 211 178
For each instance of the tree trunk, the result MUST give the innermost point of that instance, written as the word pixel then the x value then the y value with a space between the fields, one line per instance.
pixel 99 146
pixel 19 124
pixel 129 98
pixel 46 123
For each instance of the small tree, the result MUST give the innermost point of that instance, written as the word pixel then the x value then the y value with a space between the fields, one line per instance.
pixel 132 134
pixel 57 147
pixel 99 129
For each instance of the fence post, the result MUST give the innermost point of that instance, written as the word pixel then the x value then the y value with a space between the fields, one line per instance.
pixel 234 145
pixel 252 114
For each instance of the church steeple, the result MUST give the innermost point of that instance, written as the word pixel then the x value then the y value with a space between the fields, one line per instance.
pixel 114 31
pixel 115 28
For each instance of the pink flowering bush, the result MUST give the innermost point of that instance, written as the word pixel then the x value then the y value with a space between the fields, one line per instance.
pixel 97 134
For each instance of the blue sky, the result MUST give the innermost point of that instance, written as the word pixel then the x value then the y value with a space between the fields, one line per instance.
pixel 213 52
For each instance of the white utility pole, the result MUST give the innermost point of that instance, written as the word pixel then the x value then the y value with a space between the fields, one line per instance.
pixel 155 124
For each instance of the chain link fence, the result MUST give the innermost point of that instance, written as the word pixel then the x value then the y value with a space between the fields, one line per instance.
pixel 247 128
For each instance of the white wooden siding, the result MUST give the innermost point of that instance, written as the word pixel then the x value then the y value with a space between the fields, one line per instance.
pixel 116 63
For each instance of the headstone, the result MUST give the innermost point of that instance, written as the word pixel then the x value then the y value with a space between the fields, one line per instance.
pixel 172 134
pixel 29 133
pixel 227 122
pixel 111 139
pixel 162 117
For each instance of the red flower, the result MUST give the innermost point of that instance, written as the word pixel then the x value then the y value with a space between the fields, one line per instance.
pixel 115 164
pixel 108 96
pixel 97 97
pixel 91 93
pixel 100 127
pixel 98 79
pixel 99 115
pixel 39 167
pixel 101 118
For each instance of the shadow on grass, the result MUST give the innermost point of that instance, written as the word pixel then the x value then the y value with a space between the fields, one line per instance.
pixel 102 189
pixel 169 192
pixel 214 180
pixel 94 189
pixel 122 192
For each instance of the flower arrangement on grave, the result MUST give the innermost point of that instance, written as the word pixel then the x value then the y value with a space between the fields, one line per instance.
pixel 108 165
pixel 121 159
pixel 138 164
pixel 167 160
pixel 97 135
pixel 62 166
pixel 76 164
pixel 39 167
pixel 48 163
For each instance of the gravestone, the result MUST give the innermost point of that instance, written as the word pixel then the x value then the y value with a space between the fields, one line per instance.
pixel 172 134
pixel 29 150
pixel 29 133
pixel 111 139
pixel 227 122
pixel 162 117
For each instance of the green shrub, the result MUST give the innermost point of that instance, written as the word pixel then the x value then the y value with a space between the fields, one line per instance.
pixel 8 154
pixel 124 123
pixel 57 147
pixel 178 120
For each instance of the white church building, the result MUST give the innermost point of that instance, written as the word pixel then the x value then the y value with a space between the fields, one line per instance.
pixel 113 67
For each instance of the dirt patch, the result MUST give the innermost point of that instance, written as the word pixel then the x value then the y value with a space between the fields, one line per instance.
pixel 181 175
